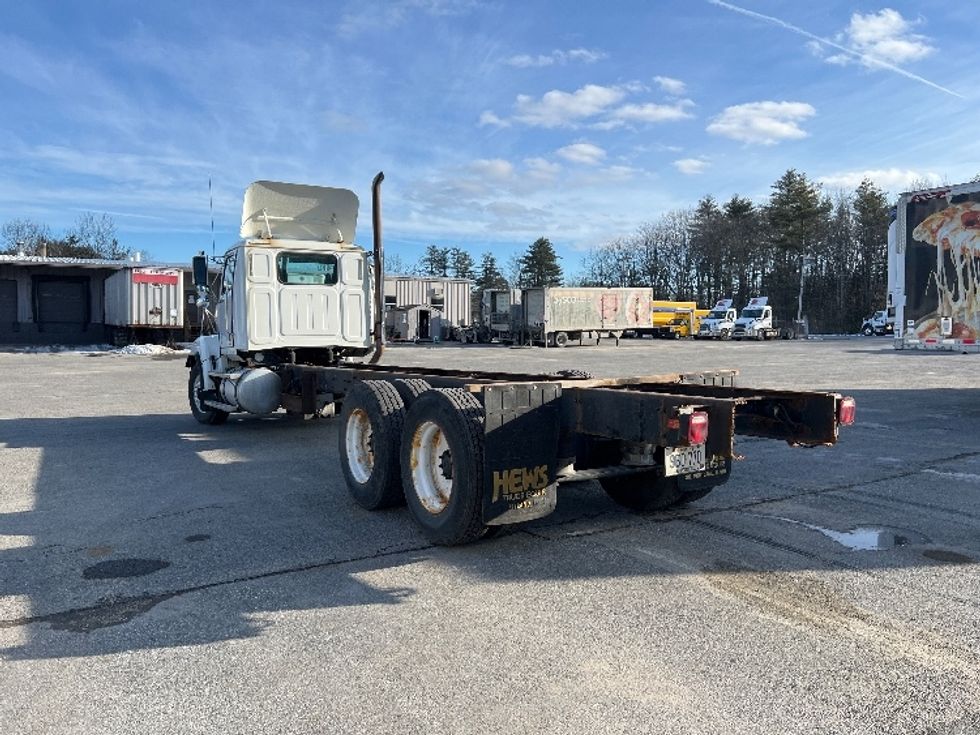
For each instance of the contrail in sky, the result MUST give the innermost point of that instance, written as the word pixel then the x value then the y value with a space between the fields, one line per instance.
pixel 827 42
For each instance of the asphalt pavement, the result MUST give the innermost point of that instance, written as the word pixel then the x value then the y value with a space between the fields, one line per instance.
pixel 160 576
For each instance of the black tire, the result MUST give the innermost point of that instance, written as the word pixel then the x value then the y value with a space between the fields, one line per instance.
pixel 726 334
pixel 573 373
pixel 648 491
pixel 561 339
pixel 410 389
pixel 868 331
pixel 370 460
pixel 459 418
pixel 195 386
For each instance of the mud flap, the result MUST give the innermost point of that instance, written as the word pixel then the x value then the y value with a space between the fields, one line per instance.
pixel 520 452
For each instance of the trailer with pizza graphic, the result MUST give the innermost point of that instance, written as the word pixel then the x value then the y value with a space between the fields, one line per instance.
pixel 934 269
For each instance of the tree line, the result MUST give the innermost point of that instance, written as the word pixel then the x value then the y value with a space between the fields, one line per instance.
pixel 537 266
pixel 817 255
pixel 91 236
pixel 823 256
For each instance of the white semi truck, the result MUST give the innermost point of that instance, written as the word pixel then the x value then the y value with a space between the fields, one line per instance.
pixel 466 450
pixel 720 321
pixel 934 269
pixel 755 321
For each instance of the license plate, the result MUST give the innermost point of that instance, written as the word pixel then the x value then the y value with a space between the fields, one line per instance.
pixel 683 460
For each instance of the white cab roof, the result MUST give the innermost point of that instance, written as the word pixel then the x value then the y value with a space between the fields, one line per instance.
pixel 299 212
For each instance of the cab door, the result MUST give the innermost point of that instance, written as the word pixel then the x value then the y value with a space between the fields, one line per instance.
pixel 224 312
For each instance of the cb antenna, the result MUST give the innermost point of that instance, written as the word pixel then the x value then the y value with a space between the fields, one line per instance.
pixel 211 208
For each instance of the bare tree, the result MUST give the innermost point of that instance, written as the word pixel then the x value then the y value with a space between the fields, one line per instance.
pixel 24 235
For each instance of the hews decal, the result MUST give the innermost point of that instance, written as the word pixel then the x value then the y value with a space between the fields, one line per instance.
pixel 519 483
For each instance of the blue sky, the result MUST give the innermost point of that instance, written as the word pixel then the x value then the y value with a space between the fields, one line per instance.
pixel 495 122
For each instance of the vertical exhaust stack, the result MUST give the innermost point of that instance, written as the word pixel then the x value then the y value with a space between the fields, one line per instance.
pixel 379 271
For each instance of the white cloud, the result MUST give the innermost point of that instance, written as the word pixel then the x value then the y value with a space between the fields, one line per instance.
pixel 765 123
pixel 583 55
pixel 493 168
pixel 691 166
pixel 671 86
pixel 541 169
pixel 488 117
pixel 885 36
pixel 573 109
pixel 557 108
pixel 868 33
pixel 619 173
pixel 585 153
pixel 890 179
pixel 653 113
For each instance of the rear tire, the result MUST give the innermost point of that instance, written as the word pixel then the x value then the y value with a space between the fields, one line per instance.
pixel 410 389
pixel 561 339
pixel 195 386
pixel 442 465
pixel 370 429
pixel 645 492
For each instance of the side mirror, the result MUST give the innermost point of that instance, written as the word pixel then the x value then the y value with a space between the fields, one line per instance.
pixel 200 264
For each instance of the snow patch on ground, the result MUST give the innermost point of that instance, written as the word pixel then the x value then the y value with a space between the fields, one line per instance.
pixel 146 349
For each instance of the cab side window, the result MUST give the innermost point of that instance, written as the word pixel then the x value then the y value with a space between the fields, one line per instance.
pixel 228 276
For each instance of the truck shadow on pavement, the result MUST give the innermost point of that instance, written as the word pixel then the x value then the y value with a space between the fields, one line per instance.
pixel 138 532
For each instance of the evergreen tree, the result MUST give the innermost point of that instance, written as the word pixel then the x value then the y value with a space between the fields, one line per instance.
pixel 871 236
pixel 461 264
pixel 489 275
pixel 797 217
pixel 539 265
pixel 435 262
pixel 706 238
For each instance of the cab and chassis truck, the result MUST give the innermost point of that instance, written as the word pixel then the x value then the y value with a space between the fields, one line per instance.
pixel 299 327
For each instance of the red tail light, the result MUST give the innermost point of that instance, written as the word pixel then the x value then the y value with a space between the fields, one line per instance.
pixel 846 411
pixel 697 428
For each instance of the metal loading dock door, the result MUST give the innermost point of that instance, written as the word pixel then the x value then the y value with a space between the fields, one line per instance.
pixel 62 306
pixel 8 305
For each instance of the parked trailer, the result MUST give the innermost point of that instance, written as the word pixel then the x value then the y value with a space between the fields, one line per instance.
pixel 467 451
pixel 145 304
pixel 934 269
pixel 556 317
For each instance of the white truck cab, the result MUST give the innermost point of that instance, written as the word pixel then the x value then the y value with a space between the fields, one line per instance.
pixel 719 322
pixel 879 323
pixel 755 322
pixel 295 288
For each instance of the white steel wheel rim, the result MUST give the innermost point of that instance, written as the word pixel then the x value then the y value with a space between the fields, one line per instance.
pixel 196 391
pixel 360 451
pixel 431 462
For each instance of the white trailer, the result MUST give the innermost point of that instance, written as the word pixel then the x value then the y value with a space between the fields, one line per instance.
pixel 934 269
pixel 145 303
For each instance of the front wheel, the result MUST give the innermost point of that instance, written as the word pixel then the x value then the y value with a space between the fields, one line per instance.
pixel 442 465
pixel 868 331
pixel 195 387
pixel 726 334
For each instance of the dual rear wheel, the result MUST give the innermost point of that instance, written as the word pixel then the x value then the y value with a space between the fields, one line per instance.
pixel 428 455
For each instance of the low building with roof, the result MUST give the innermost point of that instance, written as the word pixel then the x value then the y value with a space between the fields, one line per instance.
pixel 61 300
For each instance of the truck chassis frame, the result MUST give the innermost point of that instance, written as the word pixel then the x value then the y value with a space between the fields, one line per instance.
pixel 471 450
